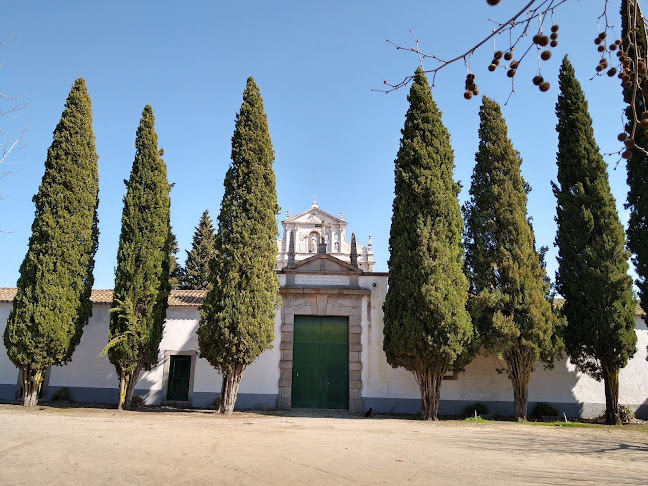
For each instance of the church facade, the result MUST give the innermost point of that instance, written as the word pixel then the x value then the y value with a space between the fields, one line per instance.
pixel 327 351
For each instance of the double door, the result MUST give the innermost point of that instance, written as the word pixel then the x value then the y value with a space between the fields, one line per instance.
pixel 320 376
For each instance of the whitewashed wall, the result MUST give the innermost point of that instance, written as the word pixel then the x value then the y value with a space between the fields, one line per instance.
pixel 385 389
pixel 87 370
pixel 8 372
pixel 91 378
pixel 388 389
pixel 260 378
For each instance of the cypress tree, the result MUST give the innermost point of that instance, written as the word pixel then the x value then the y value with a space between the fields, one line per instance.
pixel 427 329
pixel 196 271
pixel 176 272
pixel 637 164
pixel 237 317
pixel 142 276
pixel 593 262
pixel 52 304
pixel 509 293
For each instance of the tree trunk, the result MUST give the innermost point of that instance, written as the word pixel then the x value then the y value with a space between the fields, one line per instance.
pixel 127 384
pixel 429 382
pixel 611 380
pixel 131 385
pixel 31 381
pixel 123 387
pixel 229 389
pixel 520 363
pixel 521 397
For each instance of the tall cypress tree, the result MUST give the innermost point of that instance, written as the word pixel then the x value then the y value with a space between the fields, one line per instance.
pixel 593 262
pixel 53 300
pixel 637 164
pixel 427 329
pixel 237 317
pixel 176 272
pixel 196 271
pixel 142 276
pixel 509 293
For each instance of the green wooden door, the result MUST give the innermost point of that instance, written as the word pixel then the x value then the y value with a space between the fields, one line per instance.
pixel 320 377
pixel 179 374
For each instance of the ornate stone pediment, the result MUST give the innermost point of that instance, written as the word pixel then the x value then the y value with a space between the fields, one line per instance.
pixel 322 263
pixel 316 216
pixel 313 231
pixel 321 271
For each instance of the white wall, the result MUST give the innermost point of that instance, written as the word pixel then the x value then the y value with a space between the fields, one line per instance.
pixel 261 377
pixel 8 372
pixel 86 369
pixel 481 382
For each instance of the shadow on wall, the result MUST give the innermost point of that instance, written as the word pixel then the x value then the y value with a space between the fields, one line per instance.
pixel 633 387
pixel 561 387
pixel 642 410
pixel 91 379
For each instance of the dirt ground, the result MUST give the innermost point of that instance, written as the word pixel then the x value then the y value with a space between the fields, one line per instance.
pixel 91 446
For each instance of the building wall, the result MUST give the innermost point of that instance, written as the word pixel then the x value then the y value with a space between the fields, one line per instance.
pixel 89 377
pixel 384 388
pixel 93 379
pixel 259 385
pixel 8 372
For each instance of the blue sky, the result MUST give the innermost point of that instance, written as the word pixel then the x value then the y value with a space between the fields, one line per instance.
pixel 315 63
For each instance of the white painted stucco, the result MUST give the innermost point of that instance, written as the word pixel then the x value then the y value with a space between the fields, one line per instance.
pixel 8 372
pixel 86 369
pixel 480 382
pixel 261 377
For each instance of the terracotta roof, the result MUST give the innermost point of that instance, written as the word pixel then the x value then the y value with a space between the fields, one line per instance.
pixel 101 296
pixel 189 297
pixel 7 294
pixel 104 296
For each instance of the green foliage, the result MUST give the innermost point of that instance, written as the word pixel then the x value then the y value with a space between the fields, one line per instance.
pixel 477 419
pixel 427 329
pixel 509 293
pixel 237 317
pixel 62 395
pixel 568 425
pixel 637 166
pixel 592 259
pixel 137 401
pixel 626 414
pixel 176 271
pixel 196 272
pixel 142 275
pixel 480 408
pixel 544 409
pixel 509 289
pixel 52 304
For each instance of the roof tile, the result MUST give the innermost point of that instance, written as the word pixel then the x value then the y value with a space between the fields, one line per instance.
pixel 187 297
pixel 105 296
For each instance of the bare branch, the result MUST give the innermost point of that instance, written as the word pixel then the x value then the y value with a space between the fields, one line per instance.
pixel 9 143
pixel 629 65
pixel 539 12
